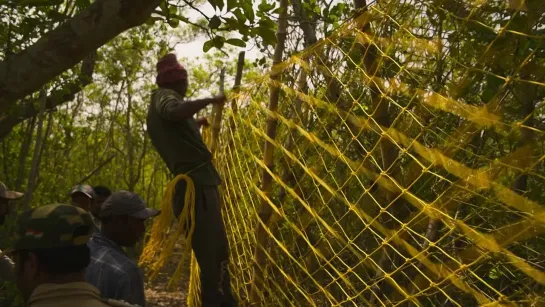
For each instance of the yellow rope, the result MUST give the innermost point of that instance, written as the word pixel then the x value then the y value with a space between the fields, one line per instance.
pixel 193 297
pixel 164 235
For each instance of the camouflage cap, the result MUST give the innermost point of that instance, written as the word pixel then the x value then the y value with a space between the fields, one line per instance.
pixel 53 226
pixel 84 189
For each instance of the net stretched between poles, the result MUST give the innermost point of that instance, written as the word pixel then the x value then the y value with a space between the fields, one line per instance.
pixel 408 163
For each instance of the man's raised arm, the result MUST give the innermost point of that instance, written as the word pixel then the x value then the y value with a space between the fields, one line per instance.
pixel 174 109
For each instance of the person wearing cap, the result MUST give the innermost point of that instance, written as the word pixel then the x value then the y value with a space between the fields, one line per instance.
pixel 101 194
pixel 83 197
pixel 51 255
pixel 111 270
pixel 175 135
pixel 6 196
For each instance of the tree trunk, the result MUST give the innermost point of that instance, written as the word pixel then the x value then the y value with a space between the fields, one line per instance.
pixel 66 45
pixel 388 151
pixel 265 211
pixel 140 169
pixel 37 150
pixel 5 165
pixel 23 154
pixel 131 183
pixel 434 224
pixel 44 144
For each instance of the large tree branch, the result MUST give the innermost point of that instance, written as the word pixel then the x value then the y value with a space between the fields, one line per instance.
pixel 26 72
pixel 56 98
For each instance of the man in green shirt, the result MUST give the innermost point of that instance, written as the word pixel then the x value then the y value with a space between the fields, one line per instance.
pixel 175 134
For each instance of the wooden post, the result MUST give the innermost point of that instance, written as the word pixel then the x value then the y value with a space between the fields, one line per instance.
pixel 265 212
pixel 217 111
pixel 236 89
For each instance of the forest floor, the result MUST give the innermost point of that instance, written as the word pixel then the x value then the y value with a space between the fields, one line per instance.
pixel 157 292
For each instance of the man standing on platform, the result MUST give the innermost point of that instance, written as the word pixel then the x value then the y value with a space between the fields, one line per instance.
pixel 175 134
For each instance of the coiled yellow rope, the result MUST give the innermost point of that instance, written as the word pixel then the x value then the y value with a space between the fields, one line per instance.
pixel 164 234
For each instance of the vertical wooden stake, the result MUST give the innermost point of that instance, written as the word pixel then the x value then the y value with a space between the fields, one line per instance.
pixel 217 112
pixel 265 212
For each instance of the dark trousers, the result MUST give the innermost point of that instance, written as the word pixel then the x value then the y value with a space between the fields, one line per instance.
pixel 209 244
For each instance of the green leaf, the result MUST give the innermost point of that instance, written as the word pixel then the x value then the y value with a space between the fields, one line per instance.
pixel 173 10
pixel 494 273
pixel 337 11
pixel 236 42
pixel 268 35
pixel 207 45
pixel 267 23
pixel 174 22
pixel 248 11
pixel 164 7
pixel 152 20
pixel 240 16
pixel 216 4
pixel 244 30
pixel 276 11
pixel 232 22
pixel 265 7
pixel 214 22
pixel 83 3
pixel 219 41
pixel 231 4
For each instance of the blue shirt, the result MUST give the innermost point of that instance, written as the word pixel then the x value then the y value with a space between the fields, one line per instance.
pixel 113 272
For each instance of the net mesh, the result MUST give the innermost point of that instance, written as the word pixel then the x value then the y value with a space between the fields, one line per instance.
pixel 407 163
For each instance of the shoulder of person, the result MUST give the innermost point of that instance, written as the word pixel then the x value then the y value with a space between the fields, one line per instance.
pixel 116 303
pixel 165 91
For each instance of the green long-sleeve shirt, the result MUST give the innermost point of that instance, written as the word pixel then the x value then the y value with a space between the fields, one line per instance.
pixel 179 142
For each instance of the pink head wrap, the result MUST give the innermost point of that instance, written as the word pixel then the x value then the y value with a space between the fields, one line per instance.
pixel 169 70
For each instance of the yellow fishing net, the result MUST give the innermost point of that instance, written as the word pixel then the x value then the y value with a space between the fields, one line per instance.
pixel 407 163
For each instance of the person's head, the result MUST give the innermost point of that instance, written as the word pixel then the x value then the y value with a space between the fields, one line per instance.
pixel 6 196
pixel 101 194
pixel 51 246
pixel 123 215
pixel 171 74
pixel 82 196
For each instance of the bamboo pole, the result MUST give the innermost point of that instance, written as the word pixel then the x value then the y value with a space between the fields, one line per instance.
pixel 217 112
pixel 236 90
pixel 265 212
pixel 238 80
